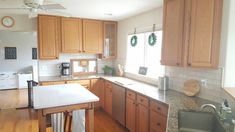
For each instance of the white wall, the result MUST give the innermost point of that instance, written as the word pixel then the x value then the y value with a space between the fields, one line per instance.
pixel 22 23
pixel 24 42
pixel 141 22
pixel 228 43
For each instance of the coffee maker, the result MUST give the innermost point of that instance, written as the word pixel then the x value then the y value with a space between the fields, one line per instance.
pixel 65 69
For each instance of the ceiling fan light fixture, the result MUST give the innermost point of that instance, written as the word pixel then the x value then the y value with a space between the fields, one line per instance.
pixel 33 3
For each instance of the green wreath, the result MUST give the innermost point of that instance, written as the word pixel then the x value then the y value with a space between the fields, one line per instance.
pixel 134 41
pixel 152 39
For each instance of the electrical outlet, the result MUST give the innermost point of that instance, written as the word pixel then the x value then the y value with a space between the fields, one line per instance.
pixel 203 82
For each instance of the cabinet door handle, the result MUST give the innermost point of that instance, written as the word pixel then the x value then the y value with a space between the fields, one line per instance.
pixel 177 63
pixel 158 124
pixel 158 108
pixel 189 64
pixel 129 94
pixel 141 100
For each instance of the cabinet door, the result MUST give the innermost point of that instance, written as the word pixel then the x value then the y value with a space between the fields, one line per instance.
pixel 110 40
pixel 130 114
pixel 157 122
pixel 172 43
pixel 97 89
pixel 142 121
pixel 205 33
pixel 48 36
pixel 102 93
pixel 92 36
pixel 108 100
pixel 71 35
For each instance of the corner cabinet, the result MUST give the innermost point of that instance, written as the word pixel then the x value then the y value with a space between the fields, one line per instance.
pixel 92 36
pixel 191 33
pixel 49 39
pixel 71 34
pixel 110 40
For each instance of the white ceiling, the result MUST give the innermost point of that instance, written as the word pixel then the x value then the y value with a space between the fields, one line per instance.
pixel 97 9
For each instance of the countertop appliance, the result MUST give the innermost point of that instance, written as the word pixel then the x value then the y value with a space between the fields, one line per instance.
pixel 118 100
pixel 65 69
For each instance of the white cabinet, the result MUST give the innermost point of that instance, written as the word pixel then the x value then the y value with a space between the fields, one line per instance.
pixel 22 80
pixel 8 80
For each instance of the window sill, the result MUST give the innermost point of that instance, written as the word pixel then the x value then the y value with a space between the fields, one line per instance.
pixel 142 78
pixel 230 91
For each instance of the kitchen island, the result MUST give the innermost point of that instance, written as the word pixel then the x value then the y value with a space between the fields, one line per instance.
pixel 63 98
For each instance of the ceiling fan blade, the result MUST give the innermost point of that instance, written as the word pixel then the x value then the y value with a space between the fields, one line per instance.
pixel 11 8
pixel 52 6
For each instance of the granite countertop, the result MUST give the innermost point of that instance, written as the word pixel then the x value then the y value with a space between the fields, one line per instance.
pixel 176 100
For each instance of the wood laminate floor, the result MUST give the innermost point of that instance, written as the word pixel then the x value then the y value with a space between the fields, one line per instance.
pixel 13 98
pixel 25 120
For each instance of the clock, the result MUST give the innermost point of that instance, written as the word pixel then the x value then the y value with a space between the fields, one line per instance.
pixel 8 21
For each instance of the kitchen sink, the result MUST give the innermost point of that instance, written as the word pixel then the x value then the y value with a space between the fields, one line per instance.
pixel 194 121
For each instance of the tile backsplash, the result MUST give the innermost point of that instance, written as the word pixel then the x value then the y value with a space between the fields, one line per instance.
pixel 211 90
pixel 52 67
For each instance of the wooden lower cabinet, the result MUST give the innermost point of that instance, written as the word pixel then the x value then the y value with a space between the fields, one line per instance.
pixel 158 116
pixel 142 120
pixel 137 112
pixel 97 88
pixel 130 114
pixel 157 122
pixel 108 97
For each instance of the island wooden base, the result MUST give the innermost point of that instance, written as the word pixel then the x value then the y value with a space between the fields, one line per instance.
pixel 89 107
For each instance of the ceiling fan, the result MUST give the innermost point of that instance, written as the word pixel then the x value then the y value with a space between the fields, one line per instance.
pixel 34 5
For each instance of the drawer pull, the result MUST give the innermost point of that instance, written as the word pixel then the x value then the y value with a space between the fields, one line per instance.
pixel 158 108
pixel 129 94
pixel 158 124
pixel 141 100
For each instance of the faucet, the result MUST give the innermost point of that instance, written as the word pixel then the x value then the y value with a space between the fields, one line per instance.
pixel 208 105
pixel 225 112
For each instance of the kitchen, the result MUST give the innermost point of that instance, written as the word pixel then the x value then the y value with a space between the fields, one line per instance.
pixel 155 39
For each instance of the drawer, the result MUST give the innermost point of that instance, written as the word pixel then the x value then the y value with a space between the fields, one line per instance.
pixel 108 84
pixel 157 122
pixel 51 83
pixel 82 82
pixel 159 107
pixel 142 100
pixel 130 94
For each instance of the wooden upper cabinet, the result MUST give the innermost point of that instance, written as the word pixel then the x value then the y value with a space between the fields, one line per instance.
pixel 48 36
pixel 92 36
pixel 173 23
pixel 191 33
pixel 110 40
pixel 204 41
pixel 71 35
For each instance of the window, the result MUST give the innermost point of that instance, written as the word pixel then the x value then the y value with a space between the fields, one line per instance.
pixel 145 55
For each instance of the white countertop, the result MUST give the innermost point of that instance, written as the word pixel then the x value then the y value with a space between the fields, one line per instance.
pixel 61 95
